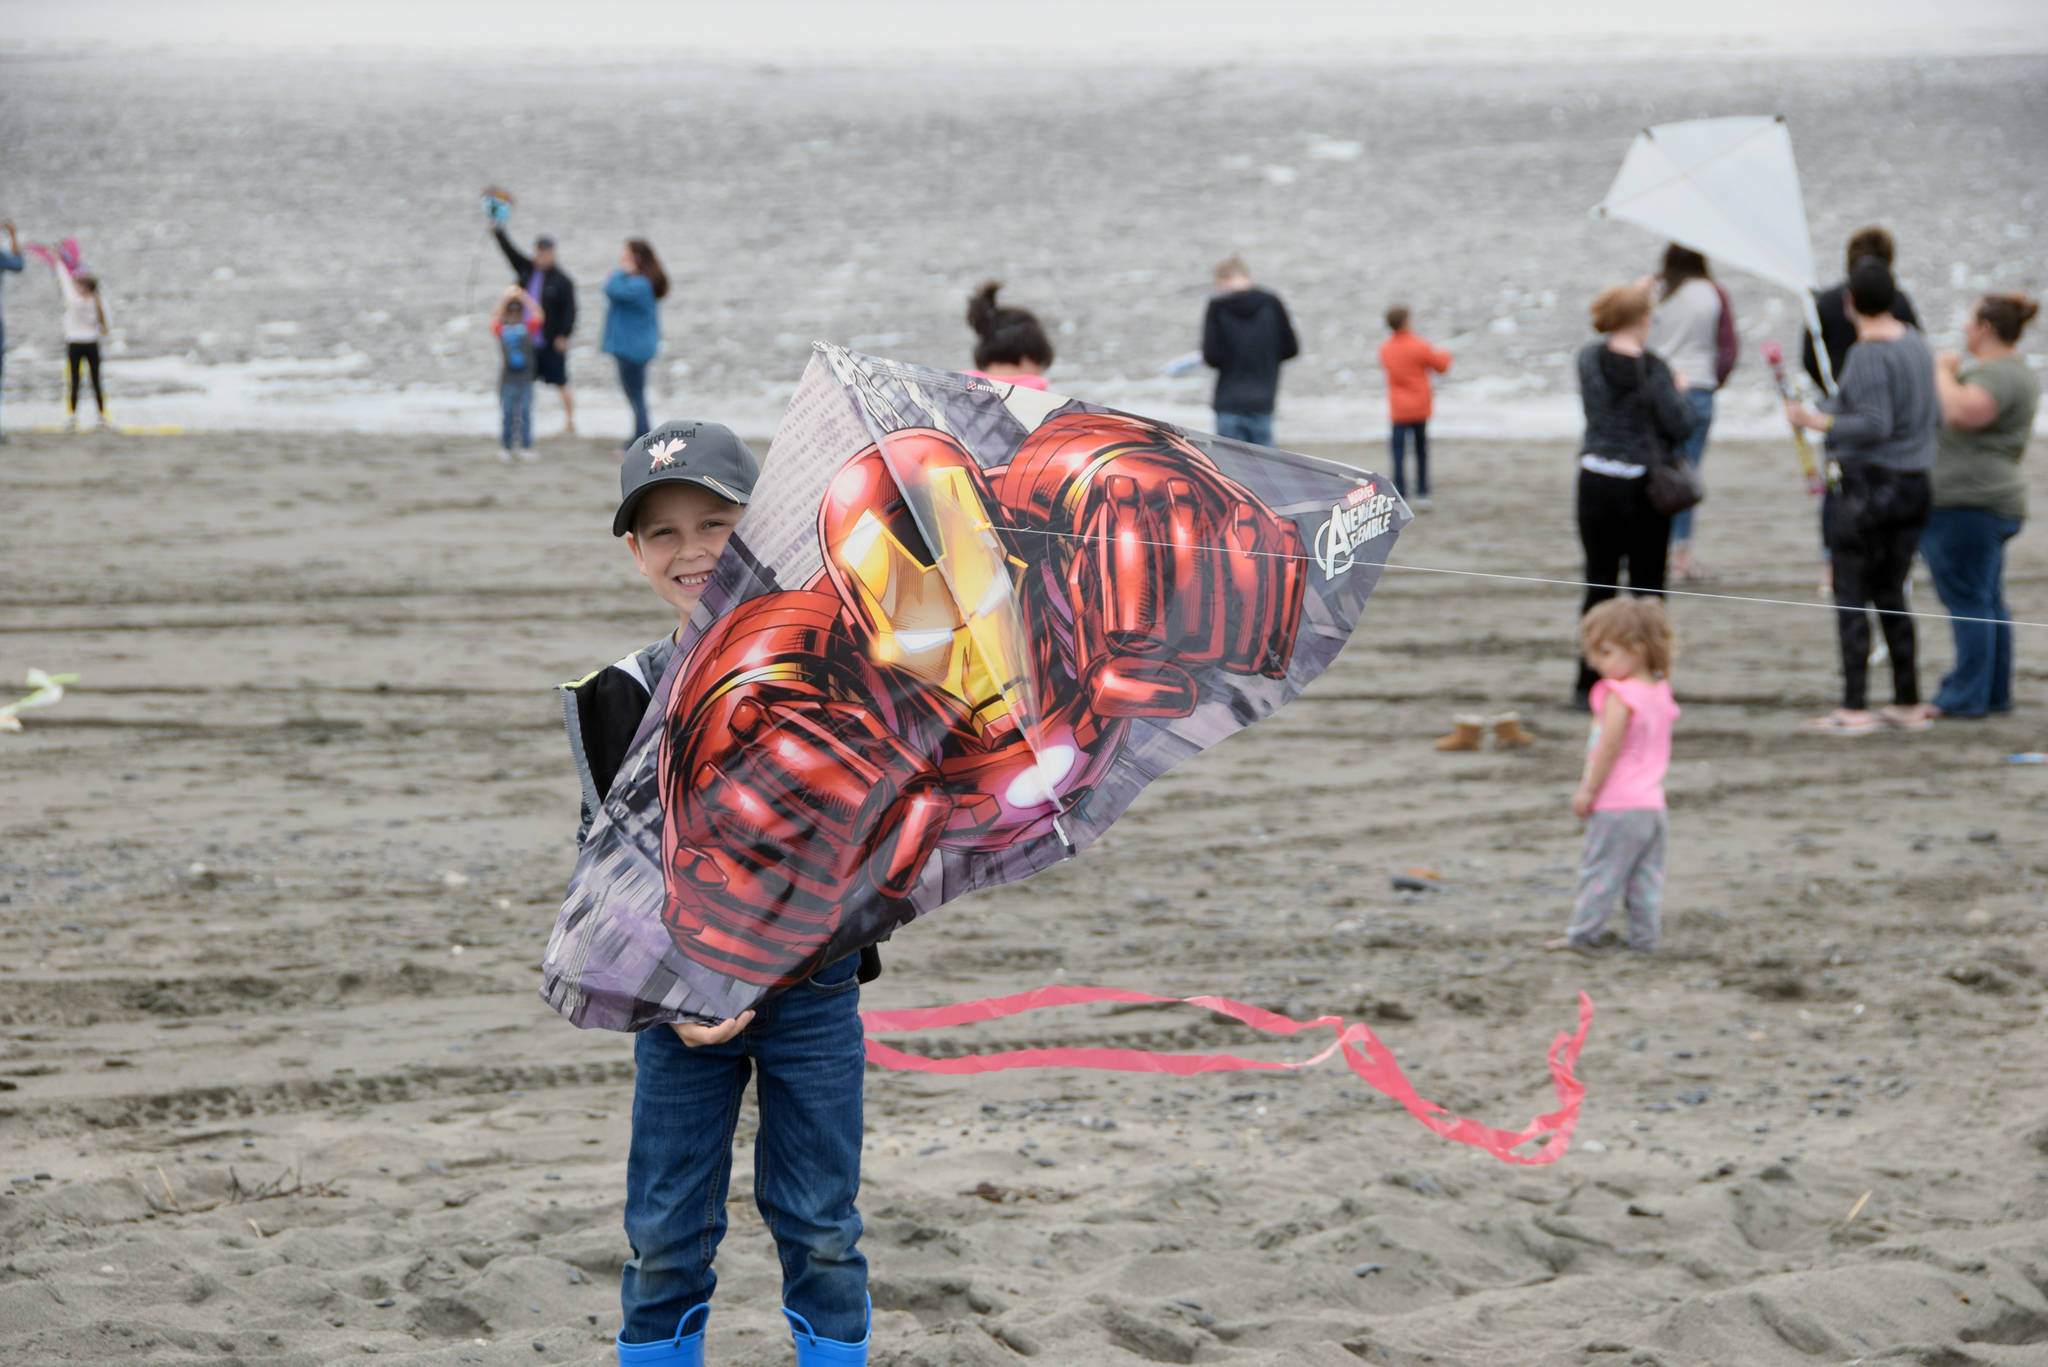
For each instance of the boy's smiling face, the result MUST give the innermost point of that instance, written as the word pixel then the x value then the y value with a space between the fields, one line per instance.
pixel 679 531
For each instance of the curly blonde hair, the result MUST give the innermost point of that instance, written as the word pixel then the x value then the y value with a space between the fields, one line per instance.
pixel 1640 624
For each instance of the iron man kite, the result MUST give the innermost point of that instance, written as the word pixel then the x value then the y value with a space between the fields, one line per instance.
pixel 962 671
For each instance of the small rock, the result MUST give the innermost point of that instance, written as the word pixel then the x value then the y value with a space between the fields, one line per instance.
pixel 1982 835
pixel 1775 1172
pixel 1042 1161
pixel 539 1347
pixel 1634 1208
pixel 575 1276
pixel 1365 1269
pixel 551 1176
pixel 1638 1044
pixel 453 879
pixel 1977 916
pixel 44 1177
pixel 1593 1146
pixel 385 1303
pixel 434 1166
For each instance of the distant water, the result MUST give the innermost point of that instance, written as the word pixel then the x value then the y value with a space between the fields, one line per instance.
pixel 294 242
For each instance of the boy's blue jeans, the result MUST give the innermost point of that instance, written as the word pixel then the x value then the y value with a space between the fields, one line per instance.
pixel 1256 428
pixel 515 408
pixel 807 1047
pixel 1397 442
pixel 1965 552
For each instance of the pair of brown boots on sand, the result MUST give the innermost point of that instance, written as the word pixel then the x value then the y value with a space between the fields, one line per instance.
pixel 1469 731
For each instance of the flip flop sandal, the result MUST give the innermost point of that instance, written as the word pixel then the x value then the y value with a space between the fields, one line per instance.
pixel 1832 725
pixel 1912 723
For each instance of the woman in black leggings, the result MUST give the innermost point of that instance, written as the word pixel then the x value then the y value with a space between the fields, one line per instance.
pixel 1880 429
pixel 1626 392
pixel 85 322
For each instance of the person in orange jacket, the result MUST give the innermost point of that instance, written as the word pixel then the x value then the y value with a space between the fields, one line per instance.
pixel 1408 359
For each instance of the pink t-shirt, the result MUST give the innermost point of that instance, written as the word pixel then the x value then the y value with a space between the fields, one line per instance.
pixel 1637 779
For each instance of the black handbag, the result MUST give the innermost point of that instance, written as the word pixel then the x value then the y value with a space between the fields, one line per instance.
pixel 1674 482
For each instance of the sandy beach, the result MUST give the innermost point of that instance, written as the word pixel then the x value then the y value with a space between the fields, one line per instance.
pixel 275 1086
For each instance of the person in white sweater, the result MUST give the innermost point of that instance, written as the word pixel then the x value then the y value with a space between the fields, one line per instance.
pixel 85 322
pixel 1686 332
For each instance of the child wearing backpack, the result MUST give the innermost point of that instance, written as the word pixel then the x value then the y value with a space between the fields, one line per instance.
pixel 517 324
pixel 683 487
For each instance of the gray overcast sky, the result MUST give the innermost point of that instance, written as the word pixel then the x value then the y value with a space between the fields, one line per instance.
pixel 806 30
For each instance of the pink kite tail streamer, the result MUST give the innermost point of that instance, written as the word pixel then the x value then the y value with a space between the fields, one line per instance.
pixel 1367 1057
pixel 41 253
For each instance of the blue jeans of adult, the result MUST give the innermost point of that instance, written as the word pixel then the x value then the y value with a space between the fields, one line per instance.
pixel 1256 428
pixel 633 379
pixel 1965 552
pixel 1694 450
pixel 515 414
pixel 1398 444
pixel 807 1049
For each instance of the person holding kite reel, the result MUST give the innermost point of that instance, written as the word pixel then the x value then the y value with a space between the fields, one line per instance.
pixel 1880 430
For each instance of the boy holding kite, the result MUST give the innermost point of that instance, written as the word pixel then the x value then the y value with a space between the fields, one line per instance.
pixel 683 487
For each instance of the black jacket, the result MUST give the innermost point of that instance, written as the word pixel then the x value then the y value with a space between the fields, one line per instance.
pixel 601 712
pixel 1245 336
pixel 1611 389
pixel 557 290
pixel 1838 333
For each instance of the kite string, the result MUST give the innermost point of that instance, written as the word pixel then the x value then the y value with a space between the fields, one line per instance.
pixel 1566 583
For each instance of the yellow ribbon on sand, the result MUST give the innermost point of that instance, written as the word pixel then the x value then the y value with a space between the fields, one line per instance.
pixel 44 689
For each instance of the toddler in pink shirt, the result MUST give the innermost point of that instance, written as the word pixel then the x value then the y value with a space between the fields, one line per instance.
pixel 1629 643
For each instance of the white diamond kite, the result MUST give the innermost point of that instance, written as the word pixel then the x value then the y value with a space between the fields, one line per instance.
pixel 1728 189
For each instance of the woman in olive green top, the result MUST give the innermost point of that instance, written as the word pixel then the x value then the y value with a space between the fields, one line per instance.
pixel 1988 400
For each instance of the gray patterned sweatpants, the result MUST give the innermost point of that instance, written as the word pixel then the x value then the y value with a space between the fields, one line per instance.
pixel 1623 862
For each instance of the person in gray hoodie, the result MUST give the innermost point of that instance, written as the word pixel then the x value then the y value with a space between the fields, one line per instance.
pixel 1880 440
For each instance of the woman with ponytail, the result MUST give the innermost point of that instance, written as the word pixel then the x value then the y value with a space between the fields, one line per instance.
pixel 1009 345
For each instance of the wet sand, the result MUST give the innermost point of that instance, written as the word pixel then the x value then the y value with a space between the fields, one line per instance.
pixel 275 1086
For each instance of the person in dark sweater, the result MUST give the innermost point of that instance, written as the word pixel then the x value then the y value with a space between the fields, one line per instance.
pixel 1880 428
pixel 1837 329
pixel 1629 395
pixel 1246 335
pixel 547 282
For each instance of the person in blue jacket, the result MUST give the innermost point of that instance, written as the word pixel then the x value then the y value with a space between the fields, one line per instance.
pixel 632 323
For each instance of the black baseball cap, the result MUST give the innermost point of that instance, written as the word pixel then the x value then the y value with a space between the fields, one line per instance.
pixel 685 452
pixel 543 241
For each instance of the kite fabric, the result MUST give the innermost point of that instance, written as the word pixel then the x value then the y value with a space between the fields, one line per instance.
pixel 1729 189
pixel 959 628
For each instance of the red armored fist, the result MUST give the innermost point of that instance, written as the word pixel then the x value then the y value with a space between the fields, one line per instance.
pixel 963 669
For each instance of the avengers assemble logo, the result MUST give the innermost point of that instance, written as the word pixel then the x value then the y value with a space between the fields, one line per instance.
pixel 1363 515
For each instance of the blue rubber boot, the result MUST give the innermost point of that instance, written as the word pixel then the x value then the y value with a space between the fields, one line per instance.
pixel 813 1351
pixel 684 1350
